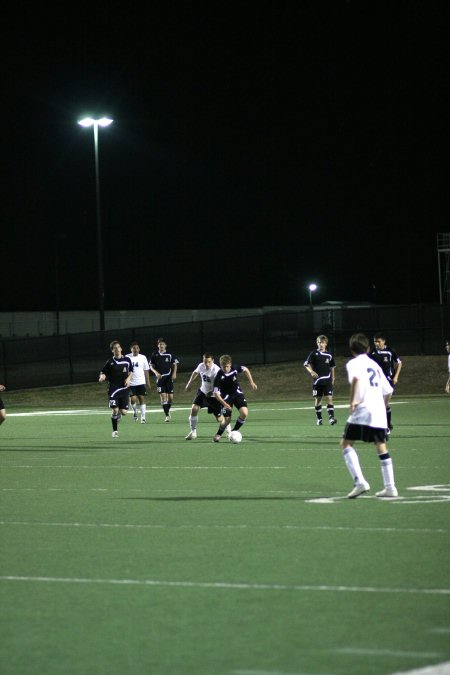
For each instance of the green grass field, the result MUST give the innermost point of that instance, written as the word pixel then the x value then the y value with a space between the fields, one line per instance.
pixel 150 554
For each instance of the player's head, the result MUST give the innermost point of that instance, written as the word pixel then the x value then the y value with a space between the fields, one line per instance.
pixel 225 362
pixel 359 344
pixel 322 342
pixel 379 340
pixel 208 359
pixel 115 346
pixel 135 349
pixel 162 344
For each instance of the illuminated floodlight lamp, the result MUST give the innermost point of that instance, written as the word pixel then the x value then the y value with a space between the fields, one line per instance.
pixel 89 122
pixel 311 289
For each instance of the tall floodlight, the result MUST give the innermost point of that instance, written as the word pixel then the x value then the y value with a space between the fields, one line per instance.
pixel 311 289
pixel 102 122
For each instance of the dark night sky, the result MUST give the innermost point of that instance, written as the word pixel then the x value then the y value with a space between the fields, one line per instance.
pixel 255 148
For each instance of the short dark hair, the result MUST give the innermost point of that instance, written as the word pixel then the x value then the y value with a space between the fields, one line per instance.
pixel 114 342
pixel 359 343
pixel 379 336
pixel 134 344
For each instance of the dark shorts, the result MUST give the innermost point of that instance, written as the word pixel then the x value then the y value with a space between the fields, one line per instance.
pixel 138 390
pixel 210 402
pixel 2 405
pixel 236 400
pixel 325 389
pixel 164 385
pixel 361 432
pixel 119 399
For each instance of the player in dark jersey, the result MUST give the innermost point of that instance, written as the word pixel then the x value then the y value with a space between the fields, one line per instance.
pixel 164 366
pixel 320 365
pixel 390 364
pixel 118 371
pixel 228 392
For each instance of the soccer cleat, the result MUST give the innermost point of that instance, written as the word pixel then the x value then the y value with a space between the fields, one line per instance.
pixel 228 430
pixel 135 417
pixel 167 419
pixel 390 427
pixel 115 434
pixel 191 436
pixel 143 420
pixel 319 423
pixel 359 489
pixel 387 492
pixel 216 438
pixel 333 420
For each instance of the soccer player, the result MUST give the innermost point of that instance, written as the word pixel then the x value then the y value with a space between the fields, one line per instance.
pixel 164 366
pixel 2 406
pixel 391 366
pixel 204 398
pixel 118 371
pixel 321 366
pixel 447 347
pixel 367 421
pixel 228 392
pixel 139 381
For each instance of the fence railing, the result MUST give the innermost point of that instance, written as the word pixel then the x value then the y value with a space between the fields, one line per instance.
pixel 271 337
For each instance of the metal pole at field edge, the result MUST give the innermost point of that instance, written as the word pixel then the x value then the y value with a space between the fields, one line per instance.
pixel 95 123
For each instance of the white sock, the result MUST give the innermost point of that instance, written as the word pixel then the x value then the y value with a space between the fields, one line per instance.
pixel 352 462
pixel 133 405
pixel 387 471
pixel 143 409
pixel 193 422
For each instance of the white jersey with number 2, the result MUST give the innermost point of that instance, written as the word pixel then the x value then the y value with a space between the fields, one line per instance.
pixel 371 388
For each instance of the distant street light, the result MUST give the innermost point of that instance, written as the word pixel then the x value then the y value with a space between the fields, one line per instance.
pixel 102 122
pixel 311 288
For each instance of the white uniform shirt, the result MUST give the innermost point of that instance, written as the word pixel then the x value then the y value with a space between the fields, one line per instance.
pixel 371 388
pixel 207 376
pixel 140 364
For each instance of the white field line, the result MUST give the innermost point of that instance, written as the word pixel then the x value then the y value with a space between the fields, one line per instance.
pixel 123 466
pixel 230 586
pixel 387 652
pixel 103 411
pixel 292 528
pixel 438 669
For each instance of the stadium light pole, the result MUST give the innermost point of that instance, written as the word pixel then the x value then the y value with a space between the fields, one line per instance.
pixel 96 123
pixel 311 289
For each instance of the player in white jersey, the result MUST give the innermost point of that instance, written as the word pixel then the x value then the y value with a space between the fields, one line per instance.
pixel 367 422
pixel 140 381
pixel 207 371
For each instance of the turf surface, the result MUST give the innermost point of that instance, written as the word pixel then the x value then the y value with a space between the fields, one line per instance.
pixel 151 554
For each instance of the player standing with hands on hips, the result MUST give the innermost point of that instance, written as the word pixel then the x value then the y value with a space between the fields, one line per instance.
pixel 321 366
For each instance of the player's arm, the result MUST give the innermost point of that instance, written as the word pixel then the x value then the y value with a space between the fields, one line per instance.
pixel 222 402
pixel 155 372
pixel 174 370
pixel 353 388
pixel 248 374
pixel 447 386
pixel 333 374
pixel 311 370
pixel 193 377
pixel 397 369
pixel 147 378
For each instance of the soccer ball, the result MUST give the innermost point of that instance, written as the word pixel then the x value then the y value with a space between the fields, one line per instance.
pixel 235 437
